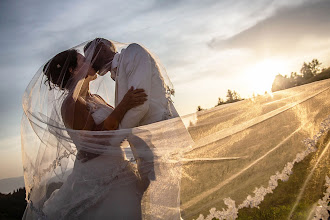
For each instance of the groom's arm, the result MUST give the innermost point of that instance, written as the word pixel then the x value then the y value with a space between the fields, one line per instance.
pixel 139 73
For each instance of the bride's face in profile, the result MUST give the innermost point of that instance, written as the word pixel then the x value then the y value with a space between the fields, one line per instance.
pixel 84 69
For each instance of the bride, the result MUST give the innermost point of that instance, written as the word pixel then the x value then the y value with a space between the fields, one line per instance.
pixel 86 114
pixel 90 112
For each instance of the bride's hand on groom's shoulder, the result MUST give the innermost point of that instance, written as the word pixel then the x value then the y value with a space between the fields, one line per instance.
pixel 134 98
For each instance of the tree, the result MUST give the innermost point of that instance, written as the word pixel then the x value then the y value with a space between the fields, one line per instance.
pixel 311 69
pixel 236 96
pixel 293 75
pixel 230 96
pixel 315 66
pixel 12 205
pixel 295 79
pixel 220 101
pixel 306 71
pixel 199 108
pixel 299 80
pixel 281 82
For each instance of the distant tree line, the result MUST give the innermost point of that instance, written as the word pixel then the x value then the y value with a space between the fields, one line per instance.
pixel 309 72
pixel 12 205
pixel 232 96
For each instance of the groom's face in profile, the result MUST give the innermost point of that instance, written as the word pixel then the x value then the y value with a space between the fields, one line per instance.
pixel 103 54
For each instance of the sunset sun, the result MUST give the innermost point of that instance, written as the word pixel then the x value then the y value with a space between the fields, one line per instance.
pixel 261 75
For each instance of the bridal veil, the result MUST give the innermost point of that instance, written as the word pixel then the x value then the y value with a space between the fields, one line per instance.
pixel 218 163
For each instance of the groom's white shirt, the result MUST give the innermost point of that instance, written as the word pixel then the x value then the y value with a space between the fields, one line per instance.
pixel 136 67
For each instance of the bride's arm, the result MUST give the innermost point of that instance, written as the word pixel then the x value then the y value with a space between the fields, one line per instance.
pixel 76 114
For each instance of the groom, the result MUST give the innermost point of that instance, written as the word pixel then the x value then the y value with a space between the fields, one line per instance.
pixel 134 67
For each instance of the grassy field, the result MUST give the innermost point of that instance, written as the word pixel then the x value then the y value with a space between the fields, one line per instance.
pixel 279 204
pixel 256 138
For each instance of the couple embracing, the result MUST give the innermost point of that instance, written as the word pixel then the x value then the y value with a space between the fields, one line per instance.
pixel 79 129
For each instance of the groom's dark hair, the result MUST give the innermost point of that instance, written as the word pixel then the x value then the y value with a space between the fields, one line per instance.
pixel 97 63
pixel 99 39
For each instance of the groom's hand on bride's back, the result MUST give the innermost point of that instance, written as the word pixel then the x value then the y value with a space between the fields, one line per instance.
pixel 134 98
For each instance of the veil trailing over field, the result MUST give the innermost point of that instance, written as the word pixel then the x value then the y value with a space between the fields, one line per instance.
pixel 275 158
pixel 218 163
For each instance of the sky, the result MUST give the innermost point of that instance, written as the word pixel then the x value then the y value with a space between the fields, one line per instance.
pixel 207 47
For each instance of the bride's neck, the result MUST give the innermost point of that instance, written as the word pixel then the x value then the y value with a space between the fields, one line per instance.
pixel 84 90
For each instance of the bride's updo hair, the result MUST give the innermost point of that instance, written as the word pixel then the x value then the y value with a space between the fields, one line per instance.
pixel 57 70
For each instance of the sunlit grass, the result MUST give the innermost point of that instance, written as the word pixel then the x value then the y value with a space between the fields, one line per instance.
pixel 279 204
pixel 251 144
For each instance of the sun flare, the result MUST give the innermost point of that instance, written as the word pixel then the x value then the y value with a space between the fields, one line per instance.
pixel 259 77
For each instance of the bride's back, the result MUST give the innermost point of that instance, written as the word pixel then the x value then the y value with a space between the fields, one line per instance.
pixel 73 112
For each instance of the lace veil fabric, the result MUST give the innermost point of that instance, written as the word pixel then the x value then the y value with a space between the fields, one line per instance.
pixel 215 162
pixel 252 147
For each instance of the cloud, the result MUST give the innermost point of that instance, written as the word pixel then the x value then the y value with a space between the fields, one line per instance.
pixel 176 31
pixel 290 30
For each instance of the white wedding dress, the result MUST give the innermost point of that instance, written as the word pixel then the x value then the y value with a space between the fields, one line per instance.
pixel 103 187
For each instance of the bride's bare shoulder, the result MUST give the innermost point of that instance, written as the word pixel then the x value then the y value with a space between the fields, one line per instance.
pixel 73 110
